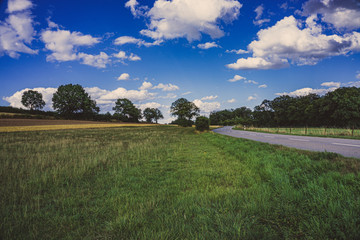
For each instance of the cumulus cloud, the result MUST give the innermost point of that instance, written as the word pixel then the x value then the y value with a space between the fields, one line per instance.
pixel 124 76
pixel 149 105
pixel 342 14
pixel 231 100
pixel 208 45
pixel 209 98
pixel 146 85
pixel 123 56
pixel 250 98
pixel 186 18
pixel 131 40
pixel 287 42
pixel 236 78
pixel 307 91
pixel 166 87
pixel 47 93
pixel 331 84
pixel 206 107
pixel 99 61
pixel 17 31
pixel 263 86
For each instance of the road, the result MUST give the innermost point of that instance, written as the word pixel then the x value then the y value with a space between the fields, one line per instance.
pixel 345 147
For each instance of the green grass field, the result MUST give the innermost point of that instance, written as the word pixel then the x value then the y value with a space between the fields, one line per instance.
pixel 171 183
pixel 322 132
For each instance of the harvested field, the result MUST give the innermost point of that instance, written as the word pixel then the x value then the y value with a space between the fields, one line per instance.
pixel 16 125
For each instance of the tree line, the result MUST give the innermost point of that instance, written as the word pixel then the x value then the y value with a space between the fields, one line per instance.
pixel 73 102
pixel 339 108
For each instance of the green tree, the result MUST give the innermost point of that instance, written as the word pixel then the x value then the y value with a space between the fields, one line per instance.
pixel 185 111
pixel 126 111
pixel 72 101
pixel 151 114
pixel 202 123
pixel 33 100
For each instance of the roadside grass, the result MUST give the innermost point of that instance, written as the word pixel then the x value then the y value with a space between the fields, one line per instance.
pixel 69 126
pixel 170 183
pixel 315 132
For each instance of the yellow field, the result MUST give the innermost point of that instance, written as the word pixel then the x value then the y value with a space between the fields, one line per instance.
pixel 68 126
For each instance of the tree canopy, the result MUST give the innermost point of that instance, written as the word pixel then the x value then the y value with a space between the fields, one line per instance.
pixel 152 114
pixel 126 111
pixel 184 110
pixel 70 100
pixel 33 100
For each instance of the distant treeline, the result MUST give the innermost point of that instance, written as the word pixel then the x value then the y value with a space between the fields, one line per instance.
pixel 340 108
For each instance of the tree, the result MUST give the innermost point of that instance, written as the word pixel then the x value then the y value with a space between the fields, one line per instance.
pixel 184 110
pixel 71 100
pixel 151 114
pixel 33 100
pixel 202 123
pixel 126 111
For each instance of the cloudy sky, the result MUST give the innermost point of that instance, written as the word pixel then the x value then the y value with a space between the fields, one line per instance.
pixel 217 53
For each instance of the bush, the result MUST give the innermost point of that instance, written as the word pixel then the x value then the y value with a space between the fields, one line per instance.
pixel 202 123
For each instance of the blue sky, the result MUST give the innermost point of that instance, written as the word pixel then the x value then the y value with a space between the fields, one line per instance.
pixel 220 54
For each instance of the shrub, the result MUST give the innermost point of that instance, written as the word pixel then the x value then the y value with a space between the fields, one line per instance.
pixel 202 123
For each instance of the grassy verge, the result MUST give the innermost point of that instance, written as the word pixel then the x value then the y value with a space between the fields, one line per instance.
pixel 170 183
pixel 312 132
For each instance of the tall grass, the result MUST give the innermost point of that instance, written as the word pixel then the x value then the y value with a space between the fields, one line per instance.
pixel 170 183
pixel 330 132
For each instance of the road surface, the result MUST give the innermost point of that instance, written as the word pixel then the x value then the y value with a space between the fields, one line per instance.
pixel 345 147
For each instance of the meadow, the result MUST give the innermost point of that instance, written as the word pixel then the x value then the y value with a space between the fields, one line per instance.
pixel 308 131
pixel 164 182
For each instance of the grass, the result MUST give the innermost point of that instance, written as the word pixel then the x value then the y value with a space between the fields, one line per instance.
pixel 171 183
pixel 318 132
pixel 68 126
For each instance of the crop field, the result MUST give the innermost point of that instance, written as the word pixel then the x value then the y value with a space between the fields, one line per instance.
pixel 326 132
pixel 165 182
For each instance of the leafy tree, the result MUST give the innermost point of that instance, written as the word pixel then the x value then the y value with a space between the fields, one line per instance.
pixel 72 100
pixel 126 111
pixel 33 100
pixel 202 123
pixel 151 114
pixel 184 110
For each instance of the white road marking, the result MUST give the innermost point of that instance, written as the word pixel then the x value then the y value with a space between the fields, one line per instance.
pixel 343 144
pixel 297 139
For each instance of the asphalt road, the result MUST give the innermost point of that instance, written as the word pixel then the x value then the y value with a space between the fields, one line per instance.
pixel 345 147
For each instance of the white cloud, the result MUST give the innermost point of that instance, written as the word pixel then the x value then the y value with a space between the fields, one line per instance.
pixel 186 93
pixel 358 76
pixel 331 84
pixel 236 78
pixel 18 5
pixel 47 93
pixel 187 18
pixel 251 81
pixel 263 86
pixel 124 76
pixel 231 100
pixel 209 98
pixel 133 95
pixel 307 91
pixel 135 9
pixel 259 12
pixel 166 87
pixel 146 85
pixel 206 107
pixel 257 63
pixel 99 61
pixel 149 105
pixel 239 51
pixel 208 45
pixel 287 41
pixel 168 96
pixel 122 55
pixel 131 40
pixel 250 98
pixel 17 31
pixel 342 14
